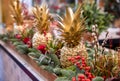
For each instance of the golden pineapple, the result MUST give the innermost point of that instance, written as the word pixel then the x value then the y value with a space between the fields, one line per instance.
pixel 42 19
pixel 72 28
pixel 16 8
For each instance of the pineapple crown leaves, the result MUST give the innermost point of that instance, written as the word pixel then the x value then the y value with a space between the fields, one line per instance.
pixel 72 27
pixel 16 9
pixel 42 17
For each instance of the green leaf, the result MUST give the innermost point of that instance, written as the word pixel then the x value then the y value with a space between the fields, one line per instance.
pixel 57 70
pixel 14 40
pixel 22 48
pixel 55 59
pixel 62 79
pixel 5 39
pixel 43 60
pixel 67 73
pixel 17 43
pixel 98 79
pixel 48 68
pixel 33 54
pixel 33 50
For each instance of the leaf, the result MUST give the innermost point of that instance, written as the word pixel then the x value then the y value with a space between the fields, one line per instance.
pixel 17 43
pixel 55 59
pixel 33 50
pixel 57 71
pixel 67 73
pixel 33 54
pixel 22 48
pixel 43 60
pixel 62 79
pixel 49 68
pixel 22 51
pixel 13 40
pixel 98 79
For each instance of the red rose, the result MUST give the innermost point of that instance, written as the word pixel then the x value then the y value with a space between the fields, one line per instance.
pixel 18 36
pixel 42 48
pixel 26 40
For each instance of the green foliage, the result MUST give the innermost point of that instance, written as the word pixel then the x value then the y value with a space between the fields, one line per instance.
pixel 28 33
pixel 48 68
pixel 13 40
pixel 43 60
pixel 54 45
pixel 55 59
pixel 98 79
pixel 4 37
pixel 62 79
pixel 34 53
pixel 16 43
pixel 57 71
pixel 95 16
pixel 23 49
pixel 68 73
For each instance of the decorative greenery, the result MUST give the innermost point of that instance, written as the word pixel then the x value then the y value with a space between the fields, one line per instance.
pixel 98 66
pixel 95 16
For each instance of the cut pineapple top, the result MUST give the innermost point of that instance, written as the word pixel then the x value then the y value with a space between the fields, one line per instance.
pixel 42 18
pixel 16 9
pixel 72 27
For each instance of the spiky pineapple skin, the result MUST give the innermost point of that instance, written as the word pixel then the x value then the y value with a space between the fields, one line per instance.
pixel 41 39
pixel 67 52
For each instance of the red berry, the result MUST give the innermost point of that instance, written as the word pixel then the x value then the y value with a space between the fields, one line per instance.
pixel 90 76
pixel 72 59
pixel 18 36
pixel 83 62
pixel 77 63
pixel 79 79
pixel 29 43
pixel 77 57
pixel 73 78
pixel 83 80
pixel 80 67
pixel 26 40
pixel 81 76
pixel 104 77
pixel 87 68
pixel 87 80
pixel 83 65
pixel 87 73
pixel 42 48
pixel 83 59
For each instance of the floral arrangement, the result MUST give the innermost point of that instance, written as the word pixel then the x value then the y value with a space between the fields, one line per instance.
pixel 68 57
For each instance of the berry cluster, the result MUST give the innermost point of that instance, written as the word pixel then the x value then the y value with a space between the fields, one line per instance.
pixel 25 40
pixel 81 64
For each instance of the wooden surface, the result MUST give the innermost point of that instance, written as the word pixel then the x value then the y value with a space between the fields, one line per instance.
pixel 25 66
